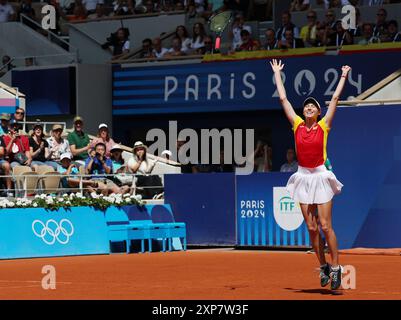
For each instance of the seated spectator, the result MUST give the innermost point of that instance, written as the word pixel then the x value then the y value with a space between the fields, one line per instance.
pixel 79 142
pixel 198 35
pixel 19 114
pixel 158 51
pixel 7 12
pixel 248 44
pixel 308 32
pixel 39 149
pixel 299 5
pixel 57 144
pixel 67 6
pixel 328 4
pixel 5 122
pixel 271 42
pixel 321 40
pixel 179 6
pixel 262 157
pixel 120 8
pixel 290 42
pixel 199 6
pixel 150 8
pixel 208 48
pixel 97 165
pixel 29 62
pixel 17 146
pixel 182 33
pixel 286 24
pixel 291 165
pixel 341 37
pixel 141 165
pixel 191 11
pixel 68 168
pixel 176 48
pixel 5 168
pixel 146 48
pixel 367 35
pixel 329 24
pixel 119 41
pixel 117 159
pixel 90 5
pixel 381 23
pixel 393 34
pixel 99 13
pixel 238 26
pixel 103 136
pixel 78 14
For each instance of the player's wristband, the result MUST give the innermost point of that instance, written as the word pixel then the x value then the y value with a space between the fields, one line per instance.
pixel 343 76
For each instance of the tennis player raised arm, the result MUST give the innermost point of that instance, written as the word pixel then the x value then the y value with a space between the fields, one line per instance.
pixel 288 109
pixel 336 96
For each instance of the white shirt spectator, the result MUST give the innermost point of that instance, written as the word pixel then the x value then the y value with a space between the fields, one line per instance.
pixel 289 167
pixel 343 3
pixel 58 148
pixel 146 167
pixel 91 4
pixel 126 45
pixel 237 35
pixel 200 6
pixel 6 10
pixel 197 44
pixel 65 4
pixel 186 44
pixel 160 54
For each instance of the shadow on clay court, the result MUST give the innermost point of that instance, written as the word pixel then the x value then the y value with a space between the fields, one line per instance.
pixel 317 291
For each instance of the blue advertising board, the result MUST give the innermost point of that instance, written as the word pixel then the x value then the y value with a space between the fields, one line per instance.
pixel 36 232
pixel 266 215
pixel 242 85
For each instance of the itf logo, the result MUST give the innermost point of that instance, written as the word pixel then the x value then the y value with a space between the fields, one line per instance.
pixel 287 213
pixel 51 231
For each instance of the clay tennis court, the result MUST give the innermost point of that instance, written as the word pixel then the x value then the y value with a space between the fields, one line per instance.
pixel 197 274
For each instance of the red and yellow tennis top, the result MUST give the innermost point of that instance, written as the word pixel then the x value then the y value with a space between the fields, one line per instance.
pixel 310 143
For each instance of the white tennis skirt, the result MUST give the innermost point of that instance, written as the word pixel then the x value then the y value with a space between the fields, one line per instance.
pixel 313 185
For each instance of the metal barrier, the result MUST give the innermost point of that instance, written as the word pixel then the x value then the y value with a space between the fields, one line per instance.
pixel 25 191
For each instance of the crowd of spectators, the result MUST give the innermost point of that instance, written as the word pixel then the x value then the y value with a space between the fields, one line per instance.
pixel 69 155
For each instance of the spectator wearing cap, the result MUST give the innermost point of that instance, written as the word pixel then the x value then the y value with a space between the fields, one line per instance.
pixel 166 154
pixel 117 159
pixel 140 163
pixel 98 165
pixel 57 144
pixel 67 167
pixel 5 167
pixel 79 141
pixel 39 149
pixel 5 121
pixel 248 44
pixel 17 146
pixel 103 136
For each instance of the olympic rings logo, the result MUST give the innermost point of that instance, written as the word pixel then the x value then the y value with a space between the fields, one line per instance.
pixel 52 231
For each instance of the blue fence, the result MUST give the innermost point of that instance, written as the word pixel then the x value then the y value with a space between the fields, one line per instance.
pixel 242 85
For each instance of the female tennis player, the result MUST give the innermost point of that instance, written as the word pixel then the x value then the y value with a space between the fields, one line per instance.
pixel 313 186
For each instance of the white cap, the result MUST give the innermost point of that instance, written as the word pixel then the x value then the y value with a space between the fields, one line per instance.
pixel 66 155
pixel 116 147
pixel 167 152
pixel 102 125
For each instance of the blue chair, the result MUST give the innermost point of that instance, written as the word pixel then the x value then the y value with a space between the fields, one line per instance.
pixel 162 215
pixel 120 229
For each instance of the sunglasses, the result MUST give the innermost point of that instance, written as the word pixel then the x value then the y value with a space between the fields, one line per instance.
pixel 311 17
pixel 19 112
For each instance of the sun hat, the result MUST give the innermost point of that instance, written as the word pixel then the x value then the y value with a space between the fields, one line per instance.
pixel 5 116
pixel 57 127
pixel 167 152
pixel 116 147
pixel 78 118
pixel 103 125
pixel 138 144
